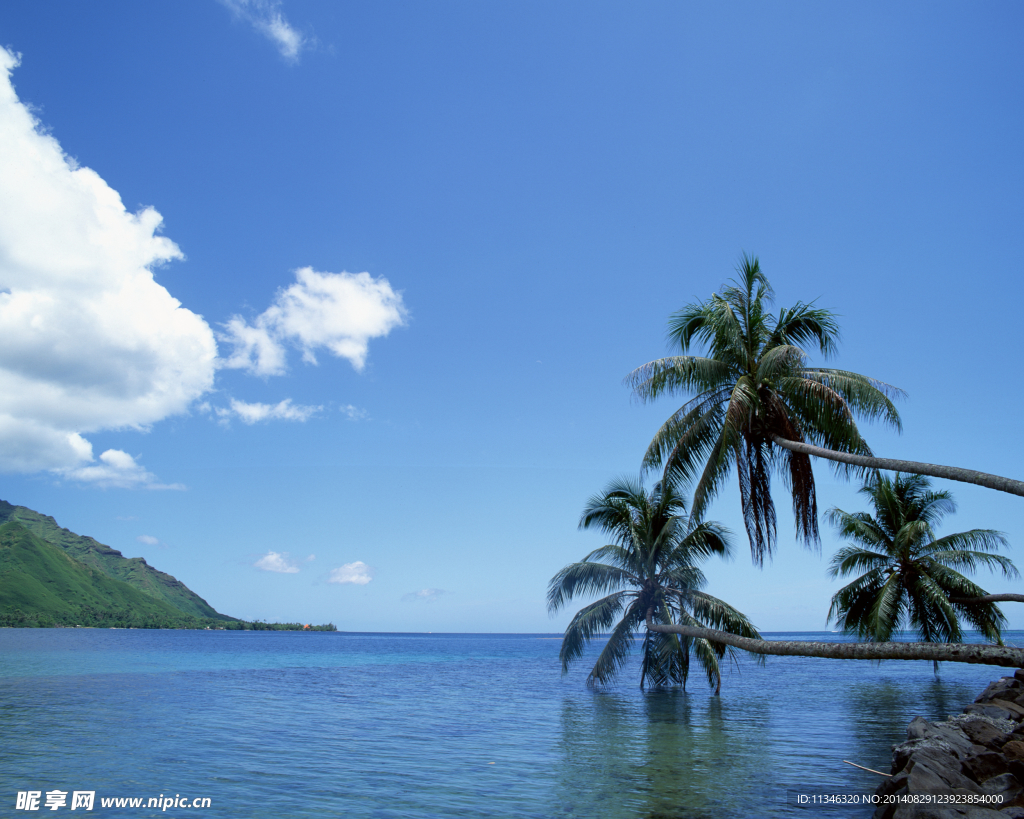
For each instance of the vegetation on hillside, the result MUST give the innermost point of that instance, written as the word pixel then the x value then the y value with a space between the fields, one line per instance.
pixel 85 617
pixel 136 572
pixel 43 586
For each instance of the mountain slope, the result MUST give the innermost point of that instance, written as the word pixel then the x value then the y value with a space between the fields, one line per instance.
pixel 40 578
pixel 133 571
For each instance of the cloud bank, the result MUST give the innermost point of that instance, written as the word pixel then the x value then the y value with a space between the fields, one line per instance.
pixel 357 573
pixel 266 17
pixel 276 562
pixel 88 339
pixel 338 312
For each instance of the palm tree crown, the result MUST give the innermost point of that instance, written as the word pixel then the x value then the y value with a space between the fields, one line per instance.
pixel 651 568
pixel 753 384
pixel 910 578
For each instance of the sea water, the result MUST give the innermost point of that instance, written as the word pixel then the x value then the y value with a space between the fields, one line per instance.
pixel 293 724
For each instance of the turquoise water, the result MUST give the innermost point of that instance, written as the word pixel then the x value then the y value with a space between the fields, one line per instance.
pixel 287 724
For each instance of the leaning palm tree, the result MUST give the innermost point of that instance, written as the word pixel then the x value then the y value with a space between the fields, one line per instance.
pixel 756 404
pixel 649 573
pixel 909 578
pixel 753 387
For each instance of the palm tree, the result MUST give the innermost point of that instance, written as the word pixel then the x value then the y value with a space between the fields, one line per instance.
pixel 753 388
pixel 758 404
pixel 909 577
pixel 912 579
pixel 649 573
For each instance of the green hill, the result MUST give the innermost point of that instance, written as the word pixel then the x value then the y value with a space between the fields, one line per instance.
pixel 42 580
pixel 135 572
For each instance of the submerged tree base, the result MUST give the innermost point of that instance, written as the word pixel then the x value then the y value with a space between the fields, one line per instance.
pixel 978 653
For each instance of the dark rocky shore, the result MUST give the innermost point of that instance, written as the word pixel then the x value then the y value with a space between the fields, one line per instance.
pixel 971 765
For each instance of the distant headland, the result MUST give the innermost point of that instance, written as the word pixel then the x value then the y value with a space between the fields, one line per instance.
pixel 51 577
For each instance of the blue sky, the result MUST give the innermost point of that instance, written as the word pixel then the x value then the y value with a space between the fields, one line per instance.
pixel 369 368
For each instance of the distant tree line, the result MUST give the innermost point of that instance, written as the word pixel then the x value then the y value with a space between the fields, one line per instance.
pixel 89 617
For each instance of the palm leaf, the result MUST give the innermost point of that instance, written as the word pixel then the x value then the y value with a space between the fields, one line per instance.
pixel 588 622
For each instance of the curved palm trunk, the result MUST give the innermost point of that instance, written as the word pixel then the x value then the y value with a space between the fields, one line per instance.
pixel 937 652
pixel 952 473
pixel 1007 597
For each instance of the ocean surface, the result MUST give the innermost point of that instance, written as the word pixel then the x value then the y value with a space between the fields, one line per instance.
pixel 291 724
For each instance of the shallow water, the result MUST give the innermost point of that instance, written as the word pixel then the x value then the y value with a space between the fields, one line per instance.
pixel 289 724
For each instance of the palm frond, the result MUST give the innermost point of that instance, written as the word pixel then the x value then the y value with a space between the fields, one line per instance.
pixel 617 650
pixel 866 397
pixel 859 527
pixel 675 374
pixel 806 324
pixel 684 440
pixel 981 540
pixel 971 561
pixel 589 621
pixel 850 559
pixel 583 579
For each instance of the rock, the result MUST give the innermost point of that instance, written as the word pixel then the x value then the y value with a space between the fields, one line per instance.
pixel 979 753
pixel 923 779
pixel 894 784
pixel 935 751
pixel 1004 785
pixel 1010 706
pixel 982 732
pixel 927 777
pixel 1016 767
pixel 887 811
pixel 926 812
pixel 982 767
pixel 1014 749
pixel 952 736
pixel 1001 687
pixel 987 710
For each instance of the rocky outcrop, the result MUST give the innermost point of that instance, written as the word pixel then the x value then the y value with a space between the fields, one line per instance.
pixel 976 757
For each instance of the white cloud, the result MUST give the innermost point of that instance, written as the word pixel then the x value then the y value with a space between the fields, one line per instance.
pixel 265 16
pixel 276 562
pixel 149 540
pixel 425 594
pixel 310 558
pixel 254 413
pixel 88 340
pixel 339 312
pixel 357 573
pixel 354 413
pixel 116 469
